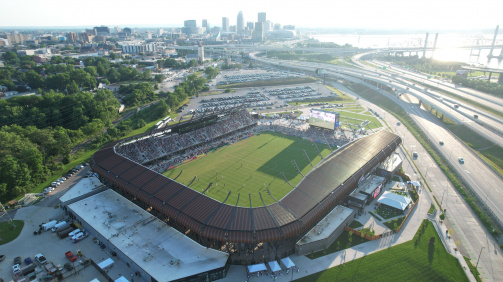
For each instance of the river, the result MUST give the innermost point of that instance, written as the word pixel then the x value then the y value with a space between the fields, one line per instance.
pixel 447 45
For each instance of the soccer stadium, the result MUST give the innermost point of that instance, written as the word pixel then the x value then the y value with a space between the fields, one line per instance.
pixel 233 183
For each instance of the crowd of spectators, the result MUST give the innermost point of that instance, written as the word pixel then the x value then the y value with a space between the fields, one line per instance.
pixel 302 131
pixel 161 165
pixel 165 145
pixel 166 149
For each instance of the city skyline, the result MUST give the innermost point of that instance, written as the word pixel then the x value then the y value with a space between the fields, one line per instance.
pixel 433 15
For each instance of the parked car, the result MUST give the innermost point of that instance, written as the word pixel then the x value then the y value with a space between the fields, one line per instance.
pixel 28 260
pixel 2 257
pixel 68 266
pixel 17 260
pixel 16 269
pixel 79 237
pixel 74 232
pixel 70 256
pixel 40 258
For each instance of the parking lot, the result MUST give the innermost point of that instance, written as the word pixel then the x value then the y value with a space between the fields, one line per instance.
pixel 51 246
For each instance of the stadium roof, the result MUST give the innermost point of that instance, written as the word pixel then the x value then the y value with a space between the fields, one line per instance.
pixel 313 198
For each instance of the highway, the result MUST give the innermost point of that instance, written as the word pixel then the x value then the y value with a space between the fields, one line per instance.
pixel 487 125
pixel 482 179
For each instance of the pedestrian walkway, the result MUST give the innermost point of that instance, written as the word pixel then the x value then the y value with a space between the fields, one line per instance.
pixel 307 266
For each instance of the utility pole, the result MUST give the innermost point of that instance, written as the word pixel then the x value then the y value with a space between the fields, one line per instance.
pixel 479 257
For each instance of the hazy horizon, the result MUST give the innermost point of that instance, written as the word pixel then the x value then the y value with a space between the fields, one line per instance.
pixel 428 15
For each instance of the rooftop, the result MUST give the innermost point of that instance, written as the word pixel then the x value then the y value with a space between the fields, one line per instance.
pixel 327 225
pixel 371 184
pixel 391 162
pixel 84 186
pixel 158 249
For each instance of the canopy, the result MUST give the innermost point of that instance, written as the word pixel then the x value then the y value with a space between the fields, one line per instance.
pixel 394 200
pixel 274 265
pixel 121 279
pixel 415 183
pixel 287 262
pixel 257 267
pixel 105 263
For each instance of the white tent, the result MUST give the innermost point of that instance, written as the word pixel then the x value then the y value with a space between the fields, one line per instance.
pixel 274 265
pixel 394 200
pixel 121 279
pixel 287 262
pixel 257 267
pixel 105 263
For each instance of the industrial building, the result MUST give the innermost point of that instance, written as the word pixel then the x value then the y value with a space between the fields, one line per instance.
pixel 150 248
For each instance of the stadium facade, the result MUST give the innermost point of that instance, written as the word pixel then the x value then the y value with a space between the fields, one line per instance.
pixel 249 235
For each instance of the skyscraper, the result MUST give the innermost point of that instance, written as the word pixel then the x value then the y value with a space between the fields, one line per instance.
pixel 262 18
pixel 241 22
pixel 206 25
pixel 225 24
pixel 258 33
pixel 190 27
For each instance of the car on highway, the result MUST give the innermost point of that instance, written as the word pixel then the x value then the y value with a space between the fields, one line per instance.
pixel 441 143
pixel 415 155
pixel 461 160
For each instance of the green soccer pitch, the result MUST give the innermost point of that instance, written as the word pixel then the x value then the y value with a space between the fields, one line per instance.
pixel 251 166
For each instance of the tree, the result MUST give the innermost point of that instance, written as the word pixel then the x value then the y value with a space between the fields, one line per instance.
pixel 10 58
pixel 211 72
pixel 91 70
pixel 147 74
pixel 72 88
pixel 159 78
pixel 192 63
pixel 56 60
pixel 93 128
pixel 350 237
pixel 34 79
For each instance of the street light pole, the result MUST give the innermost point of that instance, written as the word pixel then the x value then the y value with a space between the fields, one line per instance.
pixel 479 257
pixel 441 201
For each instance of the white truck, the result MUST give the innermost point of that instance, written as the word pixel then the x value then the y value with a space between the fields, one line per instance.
pixel 59 225
pixel 49 225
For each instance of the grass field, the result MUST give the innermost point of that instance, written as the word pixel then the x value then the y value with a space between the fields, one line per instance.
pixel 342 242
pixel 252 165
pixel 8 233
pixel 416 260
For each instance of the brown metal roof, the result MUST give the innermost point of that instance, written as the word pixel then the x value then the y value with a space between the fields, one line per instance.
pixel 314 197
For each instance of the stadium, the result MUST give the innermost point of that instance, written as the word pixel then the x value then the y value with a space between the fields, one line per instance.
pixel 251 223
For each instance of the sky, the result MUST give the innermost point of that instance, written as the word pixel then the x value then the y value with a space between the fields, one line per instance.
pixel 371 14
